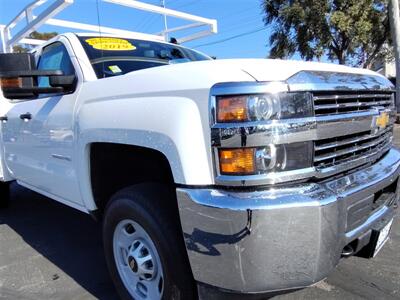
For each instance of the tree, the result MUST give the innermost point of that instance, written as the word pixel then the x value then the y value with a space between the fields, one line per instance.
pixel 354 32
pixel 37 36
pixel 42 35
pixel 394 16
pixel 20 49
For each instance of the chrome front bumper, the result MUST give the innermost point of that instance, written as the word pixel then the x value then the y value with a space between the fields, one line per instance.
pixel 282 238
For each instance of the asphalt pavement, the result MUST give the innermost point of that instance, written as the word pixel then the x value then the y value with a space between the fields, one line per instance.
pixel 50 251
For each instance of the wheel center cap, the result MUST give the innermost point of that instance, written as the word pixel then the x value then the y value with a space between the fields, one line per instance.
pixel 132 264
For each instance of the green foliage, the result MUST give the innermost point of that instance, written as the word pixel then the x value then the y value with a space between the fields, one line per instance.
pixel 42 35
pixel 34 35
pixel 20 49
pixel 354 32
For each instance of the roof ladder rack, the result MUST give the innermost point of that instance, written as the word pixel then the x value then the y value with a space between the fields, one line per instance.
pixel 8 40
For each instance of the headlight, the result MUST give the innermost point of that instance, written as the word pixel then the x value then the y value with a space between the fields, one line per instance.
pixel 247 113
pixel 262 107
pixel 262 160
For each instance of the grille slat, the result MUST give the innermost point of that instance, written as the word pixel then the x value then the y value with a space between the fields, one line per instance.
pixel 351 96
pixel 371 156
pixel 352 149
pixel 347 103
pixel 379 149
pixel 355 105
pixel 356 139
pixel 342 153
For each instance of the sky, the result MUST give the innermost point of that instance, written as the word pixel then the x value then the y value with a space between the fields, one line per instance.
pixel 241 31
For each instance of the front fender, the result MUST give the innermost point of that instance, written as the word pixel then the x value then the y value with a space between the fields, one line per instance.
pixel 170 125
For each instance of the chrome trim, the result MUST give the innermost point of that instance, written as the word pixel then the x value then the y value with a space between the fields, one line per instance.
pixel 334 81
pixel 330 126
pixel 262 155
pixel 251 87
pixel 269 178
pixel 263 133
pixel 319 158
pixel 282 133
pixel 299 174
pixel 355 104
pixel 334 97
pixel 382 142
pixel 242 88
pixel 286 131
pixel 352 140
pixel 259 179
pixel 292 130
pixel 282 237
pixel 352 163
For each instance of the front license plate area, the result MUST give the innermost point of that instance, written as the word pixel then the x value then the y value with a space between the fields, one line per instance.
pixel 383 236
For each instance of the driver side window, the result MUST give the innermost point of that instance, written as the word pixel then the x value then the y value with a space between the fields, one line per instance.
pixel 54 57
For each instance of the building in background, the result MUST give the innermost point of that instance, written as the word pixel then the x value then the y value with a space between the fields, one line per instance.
pixel 386 68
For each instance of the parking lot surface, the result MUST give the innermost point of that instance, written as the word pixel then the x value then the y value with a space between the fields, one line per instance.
pixel 50 251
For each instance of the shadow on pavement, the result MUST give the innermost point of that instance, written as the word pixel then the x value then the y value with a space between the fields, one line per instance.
pixel 67 238
pixel 70 241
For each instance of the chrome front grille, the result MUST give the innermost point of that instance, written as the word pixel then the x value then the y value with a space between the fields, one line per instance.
pixel 350 148
pixel 327 104
pixel 363 143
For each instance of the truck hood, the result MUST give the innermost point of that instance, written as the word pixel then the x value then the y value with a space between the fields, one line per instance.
pixel 205 74
pixel 202 75
pixel 281 70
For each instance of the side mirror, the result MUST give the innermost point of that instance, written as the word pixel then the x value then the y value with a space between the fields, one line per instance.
pixel 16 62
pixel 67 82
pixel 18 77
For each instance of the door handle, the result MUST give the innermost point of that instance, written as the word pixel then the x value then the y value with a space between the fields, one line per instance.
pixel 3 119
pixel 26 116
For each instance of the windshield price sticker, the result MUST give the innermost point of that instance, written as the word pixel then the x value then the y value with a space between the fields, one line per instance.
pixel 110 44
pixel 115 69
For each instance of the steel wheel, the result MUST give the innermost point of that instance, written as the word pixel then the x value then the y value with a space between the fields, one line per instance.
pixel 137 261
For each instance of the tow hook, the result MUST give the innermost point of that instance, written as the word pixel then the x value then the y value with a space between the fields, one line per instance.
pixel 347 251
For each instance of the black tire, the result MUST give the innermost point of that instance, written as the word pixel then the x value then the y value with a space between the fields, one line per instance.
pixel 4 194
pixel 153 207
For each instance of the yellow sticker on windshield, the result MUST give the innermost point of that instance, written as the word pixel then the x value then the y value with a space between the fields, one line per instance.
pixel 110 44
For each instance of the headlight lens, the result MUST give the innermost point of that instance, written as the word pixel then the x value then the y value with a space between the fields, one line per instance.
pixel 261 107
pixel 262 160
pixel 232 109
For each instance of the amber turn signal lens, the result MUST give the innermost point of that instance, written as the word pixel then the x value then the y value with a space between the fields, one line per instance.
pixel 11 82
pixel 237 161
pixel 232 109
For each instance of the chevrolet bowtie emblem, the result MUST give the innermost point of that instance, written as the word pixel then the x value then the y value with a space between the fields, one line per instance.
pixel 382 120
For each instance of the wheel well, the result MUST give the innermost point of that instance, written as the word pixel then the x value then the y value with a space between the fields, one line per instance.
pixel 117 166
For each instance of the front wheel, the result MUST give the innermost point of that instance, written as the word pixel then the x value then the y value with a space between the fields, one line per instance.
pixel 144 250
pixel 137 261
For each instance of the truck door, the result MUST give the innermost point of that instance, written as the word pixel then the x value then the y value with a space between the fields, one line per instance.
pixel 5 106
pixel 47 134
pixel 14 131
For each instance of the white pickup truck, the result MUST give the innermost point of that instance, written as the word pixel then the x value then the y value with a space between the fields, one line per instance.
pixel 243 176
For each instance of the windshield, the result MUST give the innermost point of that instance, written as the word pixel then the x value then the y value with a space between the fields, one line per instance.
pixel 112 56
